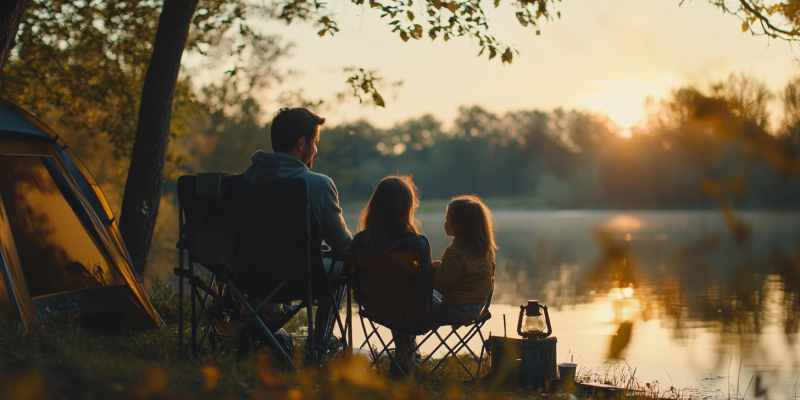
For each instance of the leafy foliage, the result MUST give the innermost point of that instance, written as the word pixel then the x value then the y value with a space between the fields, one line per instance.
pixel 775 19
pixel 83 63
pixel 445 19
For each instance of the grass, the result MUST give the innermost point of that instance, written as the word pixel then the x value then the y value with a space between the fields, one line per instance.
pixel 58 359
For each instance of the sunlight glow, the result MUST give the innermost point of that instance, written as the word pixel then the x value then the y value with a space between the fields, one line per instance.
pixel 624 223
pixel 623 100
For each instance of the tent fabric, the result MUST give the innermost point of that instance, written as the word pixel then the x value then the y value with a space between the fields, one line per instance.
pixel 58 254
pixel 15 120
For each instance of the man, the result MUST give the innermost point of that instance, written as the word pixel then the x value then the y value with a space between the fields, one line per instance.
pixel 294 134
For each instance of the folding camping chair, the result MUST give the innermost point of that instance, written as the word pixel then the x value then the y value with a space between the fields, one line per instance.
pixel 473 328
pixel 392 290
pixel 275 258
pixel 380 280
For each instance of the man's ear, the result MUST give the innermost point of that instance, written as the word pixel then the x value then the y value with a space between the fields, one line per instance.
pixel 300 145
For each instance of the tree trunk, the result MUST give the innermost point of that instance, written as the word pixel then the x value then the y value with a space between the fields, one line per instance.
pixel 10 16
pixel 146 173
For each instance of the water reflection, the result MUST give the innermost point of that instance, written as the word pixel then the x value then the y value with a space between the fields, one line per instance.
pixel 675 291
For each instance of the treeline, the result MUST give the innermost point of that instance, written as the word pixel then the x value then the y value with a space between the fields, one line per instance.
pixel 696 150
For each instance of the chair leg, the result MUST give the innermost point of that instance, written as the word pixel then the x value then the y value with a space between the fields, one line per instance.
pixel 204 301
pixel 192 291
pixel 441 342
pixel 386 348
pixel 336 302
pixel 258 320
pixel 203 310
pixel 180 281
pixel 366 341
pixel 483 347
pixel 253 314
pixel 462 343
pixel 454 355
pixel 205 336
pixel 349 320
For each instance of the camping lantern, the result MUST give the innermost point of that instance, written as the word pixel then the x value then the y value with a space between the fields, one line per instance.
pixel 533 324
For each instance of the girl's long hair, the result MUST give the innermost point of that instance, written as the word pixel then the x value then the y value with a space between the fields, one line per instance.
pixel 391 206
pixel 475 228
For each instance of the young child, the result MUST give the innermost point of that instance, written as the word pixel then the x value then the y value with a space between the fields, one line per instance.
pixel 463 278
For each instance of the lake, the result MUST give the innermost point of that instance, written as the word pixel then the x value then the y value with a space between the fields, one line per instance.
pixel 712 303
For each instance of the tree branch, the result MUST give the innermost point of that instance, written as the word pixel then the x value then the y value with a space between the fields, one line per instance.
pixel 764 20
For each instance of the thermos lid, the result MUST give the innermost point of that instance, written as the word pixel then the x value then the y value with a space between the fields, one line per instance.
pixel 533 308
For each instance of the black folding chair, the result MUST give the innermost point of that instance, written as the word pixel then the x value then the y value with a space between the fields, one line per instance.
pixel 473 328
pixel 276 258
pixel 392 290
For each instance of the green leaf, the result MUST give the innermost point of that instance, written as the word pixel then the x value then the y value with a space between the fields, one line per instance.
pixel 481 52
pixel 417 31
pixel 378 100
pixel 507 56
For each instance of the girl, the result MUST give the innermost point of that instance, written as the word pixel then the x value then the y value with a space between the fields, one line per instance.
pixel 463 278
pixel 387 224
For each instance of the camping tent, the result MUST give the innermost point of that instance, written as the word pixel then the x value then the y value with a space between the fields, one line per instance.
pixel 60 250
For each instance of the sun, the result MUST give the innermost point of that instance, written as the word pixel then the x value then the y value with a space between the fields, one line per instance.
pixel 623 99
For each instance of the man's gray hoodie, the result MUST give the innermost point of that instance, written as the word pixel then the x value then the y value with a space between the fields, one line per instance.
pixel 326 216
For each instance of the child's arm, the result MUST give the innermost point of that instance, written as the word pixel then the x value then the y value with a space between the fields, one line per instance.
pixel 449 272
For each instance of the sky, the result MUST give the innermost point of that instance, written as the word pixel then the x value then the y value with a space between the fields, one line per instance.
pixel 603 56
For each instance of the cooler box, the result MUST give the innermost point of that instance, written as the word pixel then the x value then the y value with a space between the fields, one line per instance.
pixel 523 362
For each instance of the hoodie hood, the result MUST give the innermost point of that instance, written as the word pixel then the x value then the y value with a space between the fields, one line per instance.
pixel 270 167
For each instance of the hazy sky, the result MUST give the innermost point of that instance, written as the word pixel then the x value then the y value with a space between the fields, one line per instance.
pixel 602 55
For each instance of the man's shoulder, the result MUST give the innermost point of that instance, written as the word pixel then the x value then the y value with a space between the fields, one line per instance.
pixel 315 179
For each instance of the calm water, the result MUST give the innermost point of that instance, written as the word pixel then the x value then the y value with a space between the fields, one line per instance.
pixel 699 301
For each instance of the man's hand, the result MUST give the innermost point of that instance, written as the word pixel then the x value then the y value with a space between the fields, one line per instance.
pixel 436 264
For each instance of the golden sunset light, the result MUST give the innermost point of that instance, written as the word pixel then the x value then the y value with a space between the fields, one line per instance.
pixel 385 199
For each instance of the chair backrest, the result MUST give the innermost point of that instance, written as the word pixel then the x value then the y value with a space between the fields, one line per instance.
pixel 394 289
pixel 271 228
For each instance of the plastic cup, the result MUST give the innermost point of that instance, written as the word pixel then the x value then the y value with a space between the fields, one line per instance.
pixel 567 372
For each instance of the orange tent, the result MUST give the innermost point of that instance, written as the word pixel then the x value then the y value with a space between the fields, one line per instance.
pixel 60 250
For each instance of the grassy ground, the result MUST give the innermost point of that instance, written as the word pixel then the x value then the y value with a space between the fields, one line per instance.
pixel 60 360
